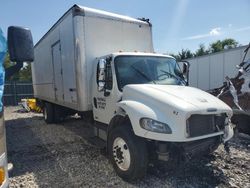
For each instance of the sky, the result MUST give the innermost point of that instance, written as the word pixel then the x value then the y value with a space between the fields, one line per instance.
pixel 177 24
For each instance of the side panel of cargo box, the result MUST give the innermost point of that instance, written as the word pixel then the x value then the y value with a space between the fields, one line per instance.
pixel 102 36
pixel 64 57
pixel 53 70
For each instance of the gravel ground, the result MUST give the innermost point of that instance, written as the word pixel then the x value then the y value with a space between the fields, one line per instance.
pixel 59 155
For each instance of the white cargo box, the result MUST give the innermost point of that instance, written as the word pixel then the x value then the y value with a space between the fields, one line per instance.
pixel 64 56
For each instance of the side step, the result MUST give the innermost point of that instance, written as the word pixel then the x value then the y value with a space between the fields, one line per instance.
pixel 100 138
pixel 97 142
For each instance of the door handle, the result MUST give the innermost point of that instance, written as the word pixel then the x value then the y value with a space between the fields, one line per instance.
pixel 72 89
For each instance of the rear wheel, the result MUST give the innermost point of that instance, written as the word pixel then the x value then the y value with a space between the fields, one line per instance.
pixel 127 153
pixel 58 114
pixel 48 113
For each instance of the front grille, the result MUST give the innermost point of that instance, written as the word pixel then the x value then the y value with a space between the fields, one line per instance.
pixel 198 125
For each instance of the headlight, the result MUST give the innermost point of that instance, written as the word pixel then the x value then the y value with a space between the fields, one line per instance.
pixel 155 126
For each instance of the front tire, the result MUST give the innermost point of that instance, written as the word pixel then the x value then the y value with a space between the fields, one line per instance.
pixel 127 153
pixel 48 113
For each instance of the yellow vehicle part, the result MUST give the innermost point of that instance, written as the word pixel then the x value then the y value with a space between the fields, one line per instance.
pixel 31 105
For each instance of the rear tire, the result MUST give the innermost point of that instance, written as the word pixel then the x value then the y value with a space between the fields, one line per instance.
pixel 58 114
pixel 127 153
pixel 48 113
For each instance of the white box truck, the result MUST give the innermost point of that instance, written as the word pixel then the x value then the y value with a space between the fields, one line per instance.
pixel 103 64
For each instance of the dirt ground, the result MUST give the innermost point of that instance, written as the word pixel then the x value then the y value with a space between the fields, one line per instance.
pixel 60 155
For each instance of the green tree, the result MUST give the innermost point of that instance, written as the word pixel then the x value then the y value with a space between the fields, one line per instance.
pixel 224 44
pixel 201 50
pixel 7 63
pixel 175 56
pixel 23 75
pixel 216 46
pixel 229 43
pixel 185 54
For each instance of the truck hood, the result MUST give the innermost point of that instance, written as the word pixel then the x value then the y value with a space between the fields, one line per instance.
pixel 181 97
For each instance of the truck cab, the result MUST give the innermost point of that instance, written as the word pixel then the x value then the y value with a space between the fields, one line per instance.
pixel 147 95
pixel 115 71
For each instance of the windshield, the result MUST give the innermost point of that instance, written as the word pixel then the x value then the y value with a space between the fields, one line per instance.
pixel 147 70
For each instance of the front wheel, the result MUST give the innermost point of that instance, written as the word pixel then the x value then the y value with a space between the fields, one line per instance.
pixel 127 153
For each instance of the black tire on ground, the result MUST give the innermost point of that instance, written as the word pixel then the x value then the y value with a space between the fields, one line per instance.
pixel 58 114
pixel 48 113
pixel 137 149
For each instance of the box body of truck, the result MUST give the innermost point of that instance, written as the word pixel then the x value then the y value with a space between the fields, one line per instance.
pixel 64 57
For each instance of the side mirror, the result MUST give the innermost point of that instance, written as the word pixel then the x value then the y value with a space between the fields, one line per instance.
pixel 101 75
pixel 184 65
pixel 20 44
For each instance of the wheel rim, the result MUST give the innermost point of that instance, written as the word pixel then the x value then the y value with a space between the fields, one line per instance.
pixel 121 154
pixel 45 113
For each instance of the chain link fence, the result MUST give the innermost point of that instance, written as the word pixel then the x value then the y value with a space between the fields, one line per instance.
pixel 15 91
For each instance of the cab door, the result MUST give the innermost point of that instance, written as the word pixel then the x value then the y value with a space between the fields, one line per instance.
pixel 104 99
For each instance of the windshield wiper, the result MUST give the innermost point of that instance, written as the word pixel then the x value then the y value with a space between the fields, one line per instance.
pixel 143 74
pixel 176 77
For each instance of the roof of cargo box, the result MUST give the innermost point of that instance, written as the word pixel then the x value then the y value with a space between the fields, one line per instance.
pixel 78 10
pixel 141 54
pixel 86 11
